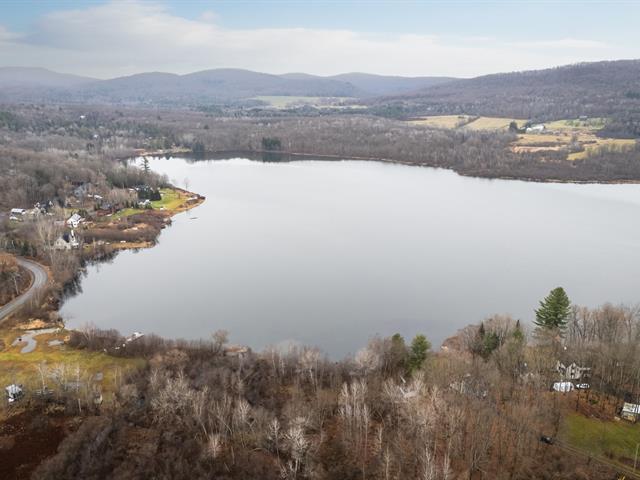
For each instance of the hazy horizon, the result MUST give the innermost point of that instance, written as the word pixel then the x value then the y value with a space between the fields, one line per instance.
pixel 108 39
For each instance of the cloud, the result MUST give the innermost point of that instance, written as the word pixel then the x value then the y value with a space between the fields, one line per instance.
pixel 124 38
pixel 6 35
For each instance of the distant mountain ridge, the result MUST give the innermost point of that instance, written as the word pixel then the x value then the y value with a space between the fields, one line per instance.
pixel 36 84
pixel 11 77
pixel 608 88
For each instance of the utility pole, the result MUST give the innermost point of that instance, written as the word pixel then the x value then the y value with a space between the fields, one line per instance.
pixel 635 461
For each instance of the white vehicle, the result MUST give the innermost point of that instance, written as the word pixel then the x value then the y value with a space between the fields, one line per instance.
pixel 583 386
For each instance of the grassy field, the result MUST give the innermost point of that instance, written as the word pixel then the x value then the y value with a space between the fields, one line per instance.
pixel 543 138
pixel 600 143
pixel 590 124
pixel 466 121
pixel 493 123
pixel 558 136
pixel 442 121
pixel 607 438
pixel 171 200
pixel 21 367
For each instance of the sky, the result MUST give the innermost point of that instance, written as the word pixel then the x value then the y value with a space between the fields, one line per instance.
pixel 462 38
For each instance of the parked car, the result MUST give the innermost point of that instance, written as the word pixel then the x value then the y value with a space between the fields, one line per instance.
pixel 583 386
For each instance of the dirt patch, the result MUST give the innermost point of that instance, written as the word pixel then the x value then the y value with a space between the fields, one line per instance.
pixel 33 324
pixel 26 439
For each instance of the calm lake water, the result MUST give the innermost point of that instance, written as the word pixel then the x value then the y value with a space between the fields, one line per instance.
pixel 331 253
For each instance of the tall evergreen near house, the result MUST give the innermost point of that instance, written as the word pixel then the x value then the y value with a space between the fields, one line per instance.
pixel 554 310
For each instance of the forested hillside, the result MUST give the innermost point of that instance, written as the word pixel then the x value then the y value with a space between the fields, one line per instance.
pixel 601 89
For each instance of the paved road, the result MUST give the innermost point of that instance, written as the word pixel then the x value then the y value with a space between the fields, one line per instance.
pixel 40 279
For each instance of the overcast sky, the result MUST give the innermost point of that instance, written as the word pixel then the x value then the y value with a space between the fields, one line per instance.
pixel 459 38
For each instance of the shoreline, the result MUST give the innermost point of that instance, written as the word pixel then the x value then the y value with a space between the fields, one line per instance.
pixel 193 199
pixel 328 156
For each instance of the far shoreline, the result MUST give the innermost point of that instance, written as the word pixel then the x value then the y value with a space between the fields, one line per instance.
pixel 293 156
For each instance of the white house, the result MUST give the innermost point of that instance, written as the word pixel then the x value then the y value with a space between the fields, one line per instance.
pixel 537 128
pixel 74 220
pixel 18 211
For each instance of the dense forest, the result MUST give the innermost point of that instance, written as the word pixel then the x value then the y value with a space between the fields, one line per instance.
pixel 115 133
pixel 480 408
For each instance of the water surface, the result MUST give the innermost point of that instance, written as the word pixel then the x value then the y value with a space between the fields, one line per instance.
pixel 331 253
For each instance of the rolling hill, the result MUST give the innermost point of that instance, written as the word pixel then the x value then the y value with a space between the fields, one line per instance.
pixel 389 85
pixel 35 84
pixel 21 77
pixel 602 89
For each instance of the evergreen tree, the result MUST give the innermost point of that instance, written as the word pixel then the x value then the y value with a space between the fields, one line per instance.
pixel 554 310
pixel 490 342
pixel 418 352
pixel 518 334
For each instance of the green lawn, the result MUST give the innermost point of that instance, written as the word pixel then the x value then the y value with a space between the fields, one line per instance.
pixel 171 200
pixel 619 438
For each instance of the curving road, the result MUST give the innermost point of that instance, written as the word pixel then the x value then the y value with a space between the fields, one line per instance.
pixel 40 279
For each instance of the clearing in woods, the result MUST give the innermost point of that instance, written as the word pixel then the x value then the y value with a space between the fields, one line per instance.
pixel 576 138
pixel 56 357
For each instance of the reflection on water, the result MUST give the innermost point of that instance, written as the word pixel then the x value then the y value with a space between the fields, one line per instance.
pixel 330 253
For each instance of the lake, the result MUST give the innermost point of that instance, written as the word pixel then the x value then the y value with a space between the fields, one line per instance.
pixel 331 253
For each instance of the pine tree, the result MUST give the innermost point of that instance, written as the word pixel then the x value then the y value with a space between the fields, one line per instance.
pixel 518 334
pixel 418 352
pixel 554 310
pixel 490 342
